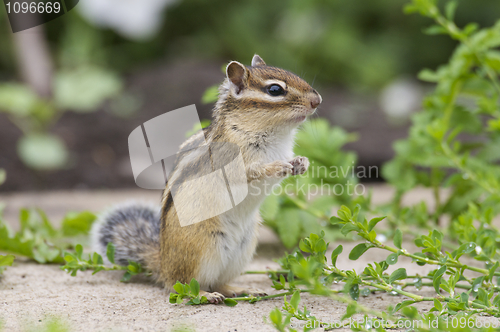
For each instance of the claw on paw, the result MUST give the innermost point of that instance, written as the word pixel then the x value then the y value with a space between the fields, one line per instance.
pixel 300 165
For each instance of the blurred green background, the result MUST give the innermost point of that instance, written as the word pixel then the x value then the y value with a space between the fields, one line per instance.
pixel 107 66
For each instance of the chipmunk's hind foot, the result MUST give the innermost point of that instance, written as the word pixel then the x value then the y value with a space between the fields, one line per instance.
pixel 233 291
pixel 214 298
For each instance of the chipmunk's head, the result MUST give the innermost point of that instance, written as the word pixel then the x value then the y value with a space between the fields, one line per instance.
pixel 260 97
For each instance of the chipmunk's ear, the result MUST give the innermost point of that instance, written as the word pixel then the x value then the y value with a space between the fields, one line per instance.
pixel 257 61
pixel 237 74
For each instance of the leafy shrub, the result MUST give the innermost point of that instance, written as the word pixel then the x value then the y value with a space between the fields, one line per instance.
pixel 39 240
pixel 454 141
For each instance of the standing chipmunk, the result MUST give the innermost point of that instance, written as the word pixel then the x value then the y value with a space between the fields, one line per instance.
pixel 259 109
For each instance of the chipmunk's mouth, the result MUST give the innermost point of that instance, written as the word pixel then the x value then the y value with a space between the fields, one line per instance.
pixel 299 119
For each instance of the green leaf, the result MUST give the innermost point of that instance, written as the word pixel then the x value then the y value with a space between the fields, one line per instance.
pixel 438 305
pixel 347 228
pixel 403 304
pixel 110 252
pixel 450 9
pixel 77 223
pixel 428 75
pixel 132 269
pixel 195 287
pixel 276 317
pixel 398 239
pixel 210 95
pixel 351 310
pixel 359 250
pixel 365 292
pixel 85 88
pixel 17 99
pixel 294 302
pixel 3 176
pixel 397 275
pixel 336 253
pixel 320 246
pixel 344 213
pixel 435 30
pixel 470 28
pixel 392 259
pixel 79 251
pixel 477 284
pixel 465 248
pixel 336 220
pixel 193 301
pixel 305 245
pixel 126 277
pixel 436 279
pixel 230 302
pixel 178 287
pixel 354 292
pixel 493 270
pixel 410 312
pixel 373 222
pixel 6 260
pixel 42 151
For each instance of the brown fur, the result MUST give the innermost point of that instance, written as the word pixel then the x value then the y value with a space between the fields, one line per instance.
pixel 246 117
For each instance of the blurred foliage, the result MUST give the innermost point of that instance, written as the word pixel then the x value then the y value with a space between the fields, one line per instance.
pixel 356 43
pixel 455 140
pixel 37 238
pixel 362 45
pixel 81 83
pixel 3 176
pixel 5 260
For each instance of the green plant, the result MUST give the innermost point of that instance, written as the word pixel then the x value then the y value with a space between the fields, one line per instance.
pixel 463 296
pixel 190 291
pixel 37 239
pixel 75 263
pixel 5 260
pixel 356 44
pixel 454 140
pixel 80 83
pixel 80 90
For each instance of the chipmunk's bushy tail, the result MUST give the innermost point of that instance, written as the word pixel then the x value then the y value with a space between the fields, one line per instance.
pixel 134 229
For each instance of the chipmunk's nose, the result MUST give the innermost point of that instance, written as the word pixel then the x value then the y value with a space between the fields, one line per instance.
pixel 316 99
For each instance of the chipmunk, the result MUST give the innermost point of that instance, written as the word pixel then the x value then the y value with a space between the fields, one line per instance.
pixel 259 109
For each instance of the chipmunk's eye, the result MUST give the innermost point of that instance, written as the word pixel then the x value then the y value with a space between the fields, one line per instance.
pixel 275 90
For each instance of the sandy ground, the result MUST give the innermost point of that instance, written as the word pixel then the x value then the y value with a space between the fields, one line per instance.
pixel 30 294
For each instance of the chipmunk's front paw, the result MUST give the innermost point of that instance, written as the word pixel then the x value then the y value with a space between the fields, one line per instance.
pixel 300 165
pixel 279 169
pixel 214 298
